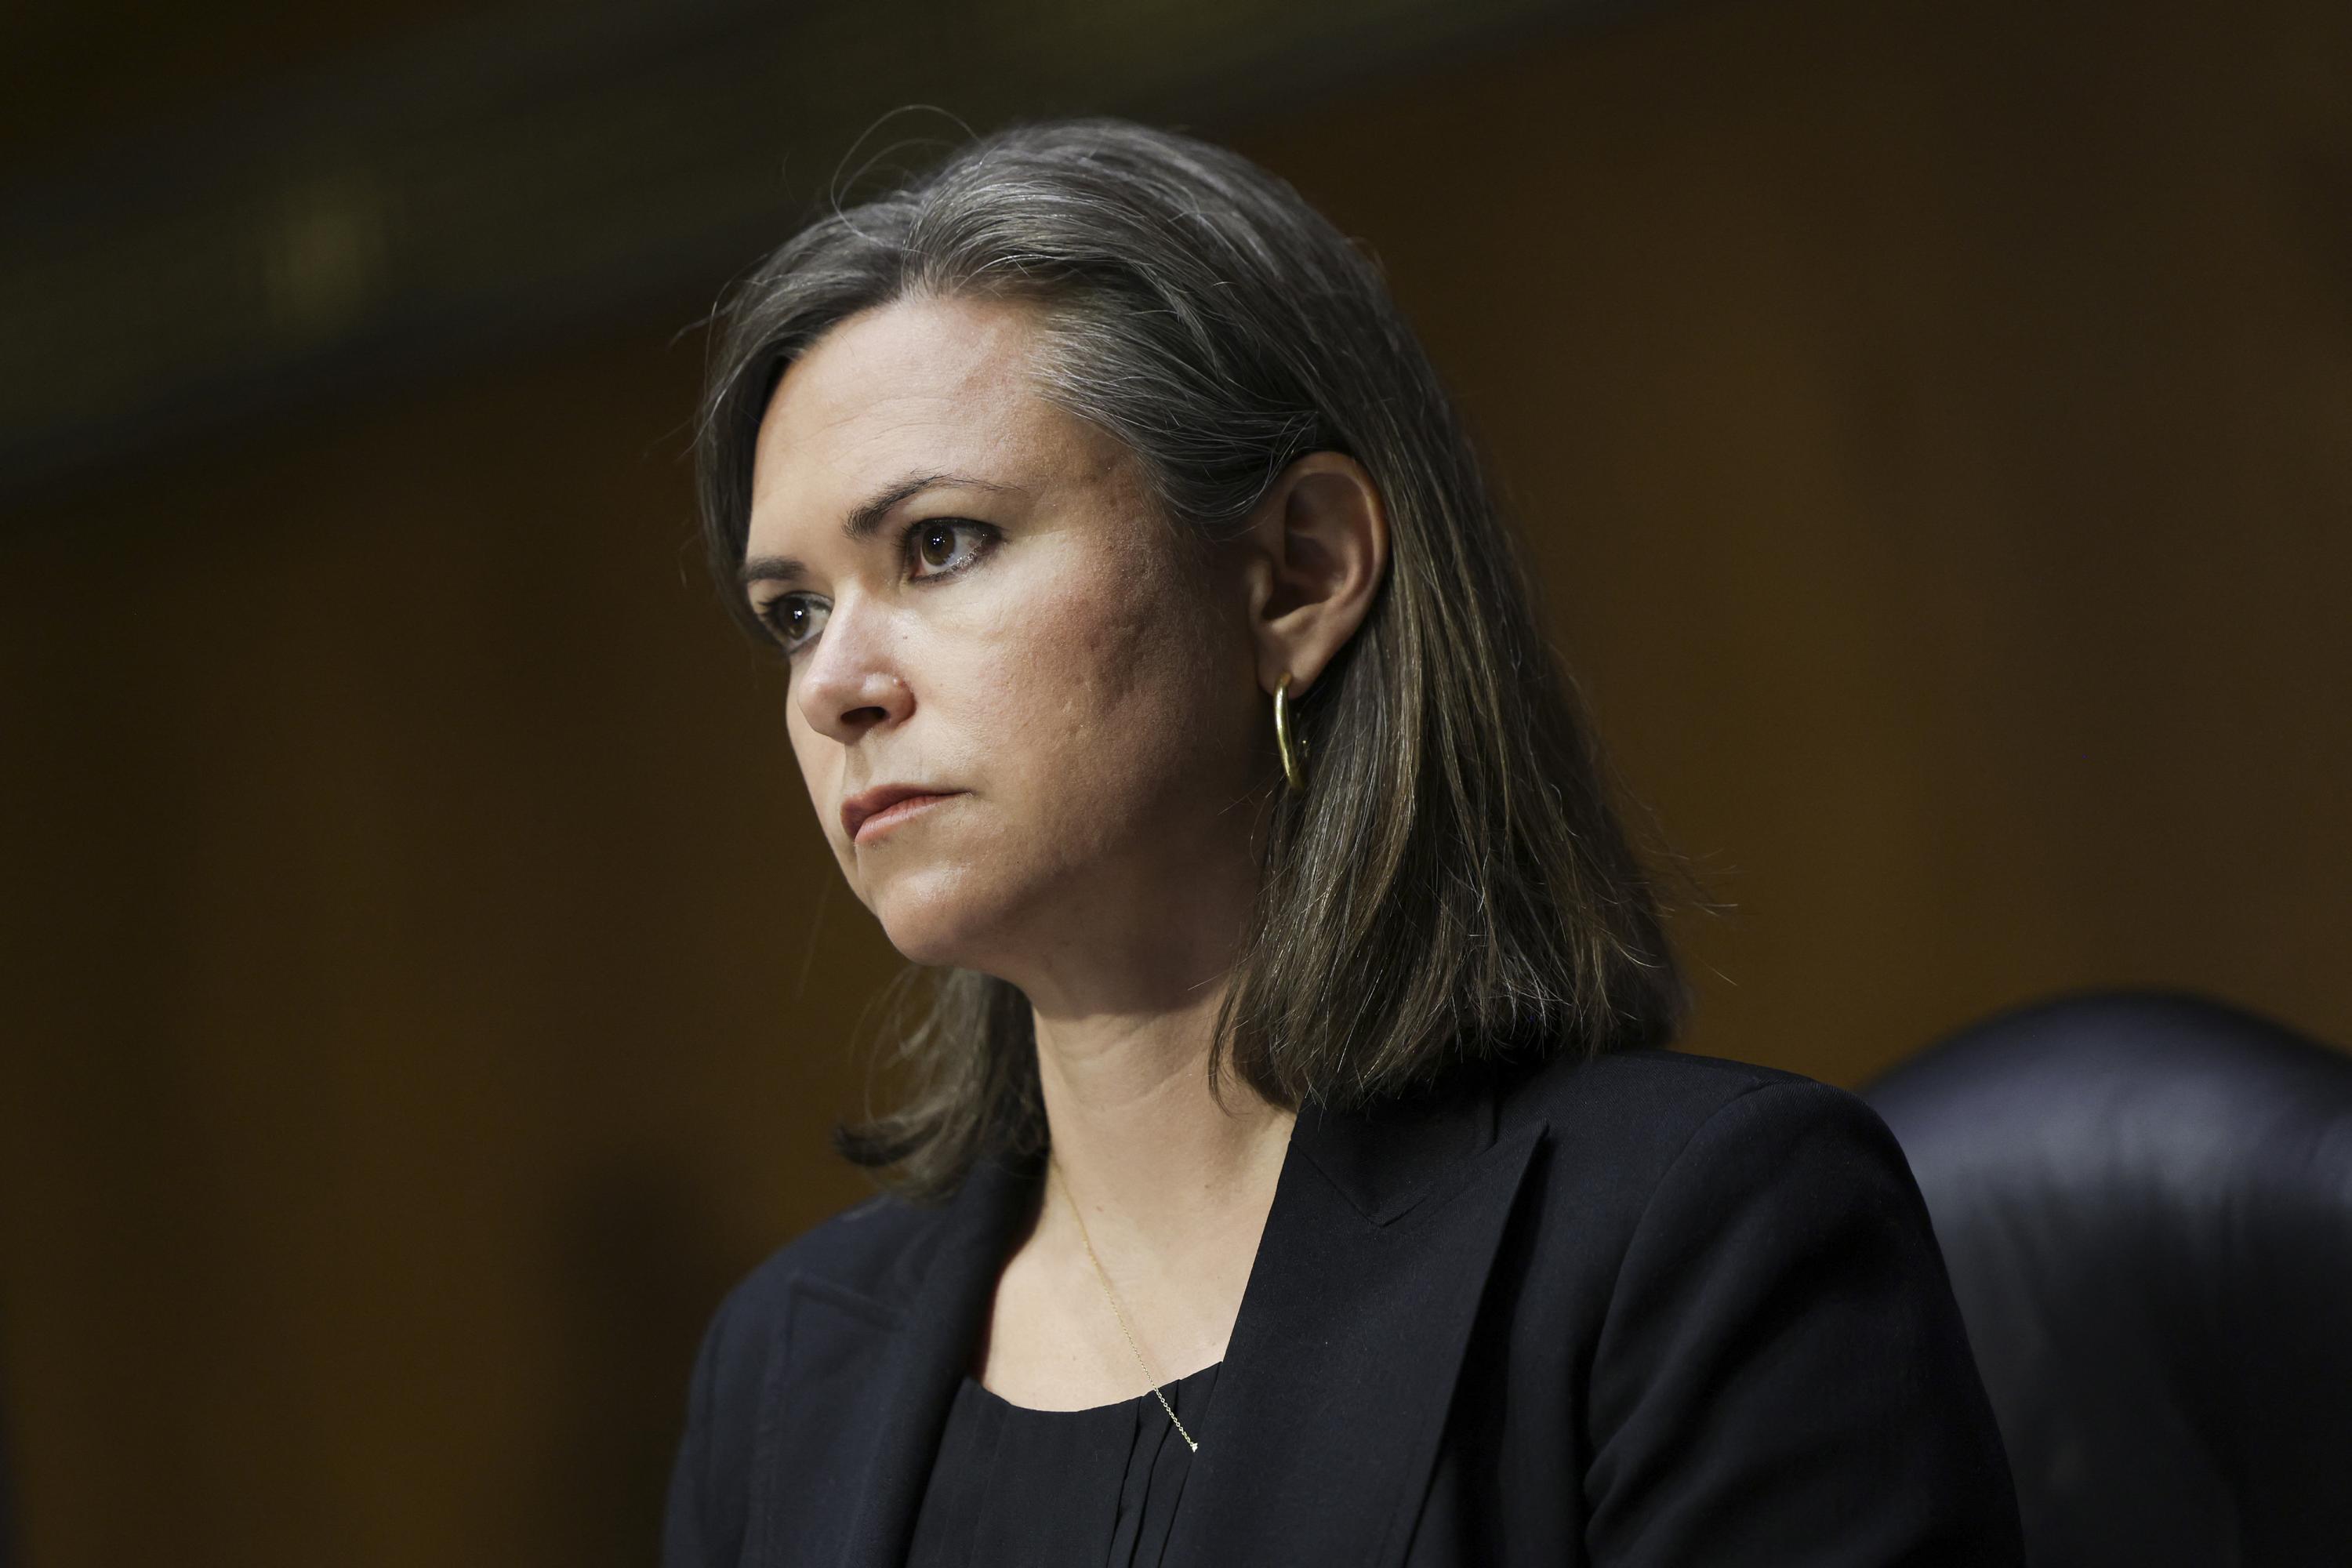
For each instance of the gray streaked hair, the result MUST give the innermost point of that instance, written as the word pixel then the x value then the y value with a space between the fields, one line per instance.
pixel 1456 886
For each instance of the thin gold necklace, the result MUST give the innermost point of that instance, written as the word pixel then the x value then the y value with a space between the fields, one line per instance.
pixel 1149 1375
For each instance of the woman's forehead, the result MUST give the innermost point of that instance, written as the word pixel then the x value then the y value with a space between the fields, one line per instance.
pixel 938 361
pixel 920 385
pixel 934 385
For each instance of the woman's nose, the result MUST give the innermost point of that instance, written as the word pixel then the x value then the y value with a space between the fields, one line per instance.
pixel 850 682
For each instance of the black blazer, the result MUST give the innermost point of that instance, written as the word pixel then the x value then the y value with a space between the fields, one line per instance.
pixel 1654 1308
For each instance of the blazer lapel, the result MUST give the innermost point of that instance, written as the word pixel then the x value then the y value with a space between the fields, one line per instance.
pixel 896 1366
pixel 1319 1440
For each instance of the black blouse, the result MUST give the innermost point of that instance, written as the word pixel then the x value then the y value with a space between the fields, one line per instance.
pixel 1016 1488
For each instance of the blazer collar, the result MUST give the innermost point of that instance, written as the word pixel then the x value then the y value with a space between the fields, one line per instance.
pixel 1334 1389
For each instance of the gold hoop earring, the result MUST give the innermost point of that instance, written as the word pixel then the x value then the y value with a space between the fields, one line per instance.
pixel 1294 752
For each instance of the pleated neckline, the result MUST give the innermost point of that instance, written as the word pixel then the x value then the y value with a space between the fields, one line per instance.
pixel 1015 1487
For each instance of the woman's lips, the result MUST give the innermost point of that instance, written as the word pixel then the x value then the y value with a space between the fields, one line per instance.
pixel 890 816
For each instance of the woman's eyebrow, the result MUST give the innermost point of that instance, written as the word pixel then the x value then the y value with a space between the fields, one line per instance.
pixel 863 519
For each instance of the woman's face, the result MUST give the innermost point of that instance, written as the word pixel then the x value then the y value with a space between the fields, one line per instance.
pixel 982 604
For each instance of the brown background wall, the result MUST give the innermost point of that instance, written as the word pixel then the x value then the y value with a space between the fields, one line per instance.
pixel 425 989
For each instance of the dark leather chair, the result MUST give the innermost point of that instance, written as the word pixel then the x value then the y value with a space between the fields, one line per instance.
pixel 2144 1200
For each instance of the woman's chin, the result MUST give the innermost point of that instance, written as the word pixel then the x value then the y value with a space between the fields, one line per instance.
pixel 927 950
pixel 938 926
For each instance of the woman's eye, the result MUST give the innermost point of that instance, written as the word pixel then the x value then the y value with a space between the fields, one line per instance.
pixel 946 544
pixel 794 618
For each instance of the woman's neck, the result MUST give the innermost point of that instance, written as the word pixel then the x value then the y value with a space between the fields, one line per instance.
pixel 1175 1191
pixel 1160 1170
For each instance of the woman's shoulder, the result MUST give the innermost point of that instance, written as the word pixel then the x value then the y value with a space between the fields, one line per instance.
pixel 1740 1259
pixel 1632 1117
pixel 861 1254
pixel 857 1260
pixel 1655 1092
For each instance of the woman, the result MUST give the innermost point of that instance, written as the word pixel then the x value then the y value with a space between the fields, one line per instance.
pixel 1296 1174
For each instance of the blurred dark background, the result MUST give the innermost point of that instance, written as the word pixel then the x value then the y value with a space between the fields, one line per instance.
pixel 424 986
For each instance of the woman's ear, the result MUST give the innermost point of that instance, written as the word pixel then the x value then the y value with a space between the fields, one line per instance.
pixel 1321 538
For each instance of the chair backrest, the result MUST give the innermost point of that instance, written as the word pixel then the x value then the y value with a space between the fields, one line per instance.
pixel 2144 1200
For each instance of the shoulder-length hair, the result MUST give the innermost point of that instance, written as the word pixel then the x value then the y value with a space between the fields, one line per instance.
pixel 1455 885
